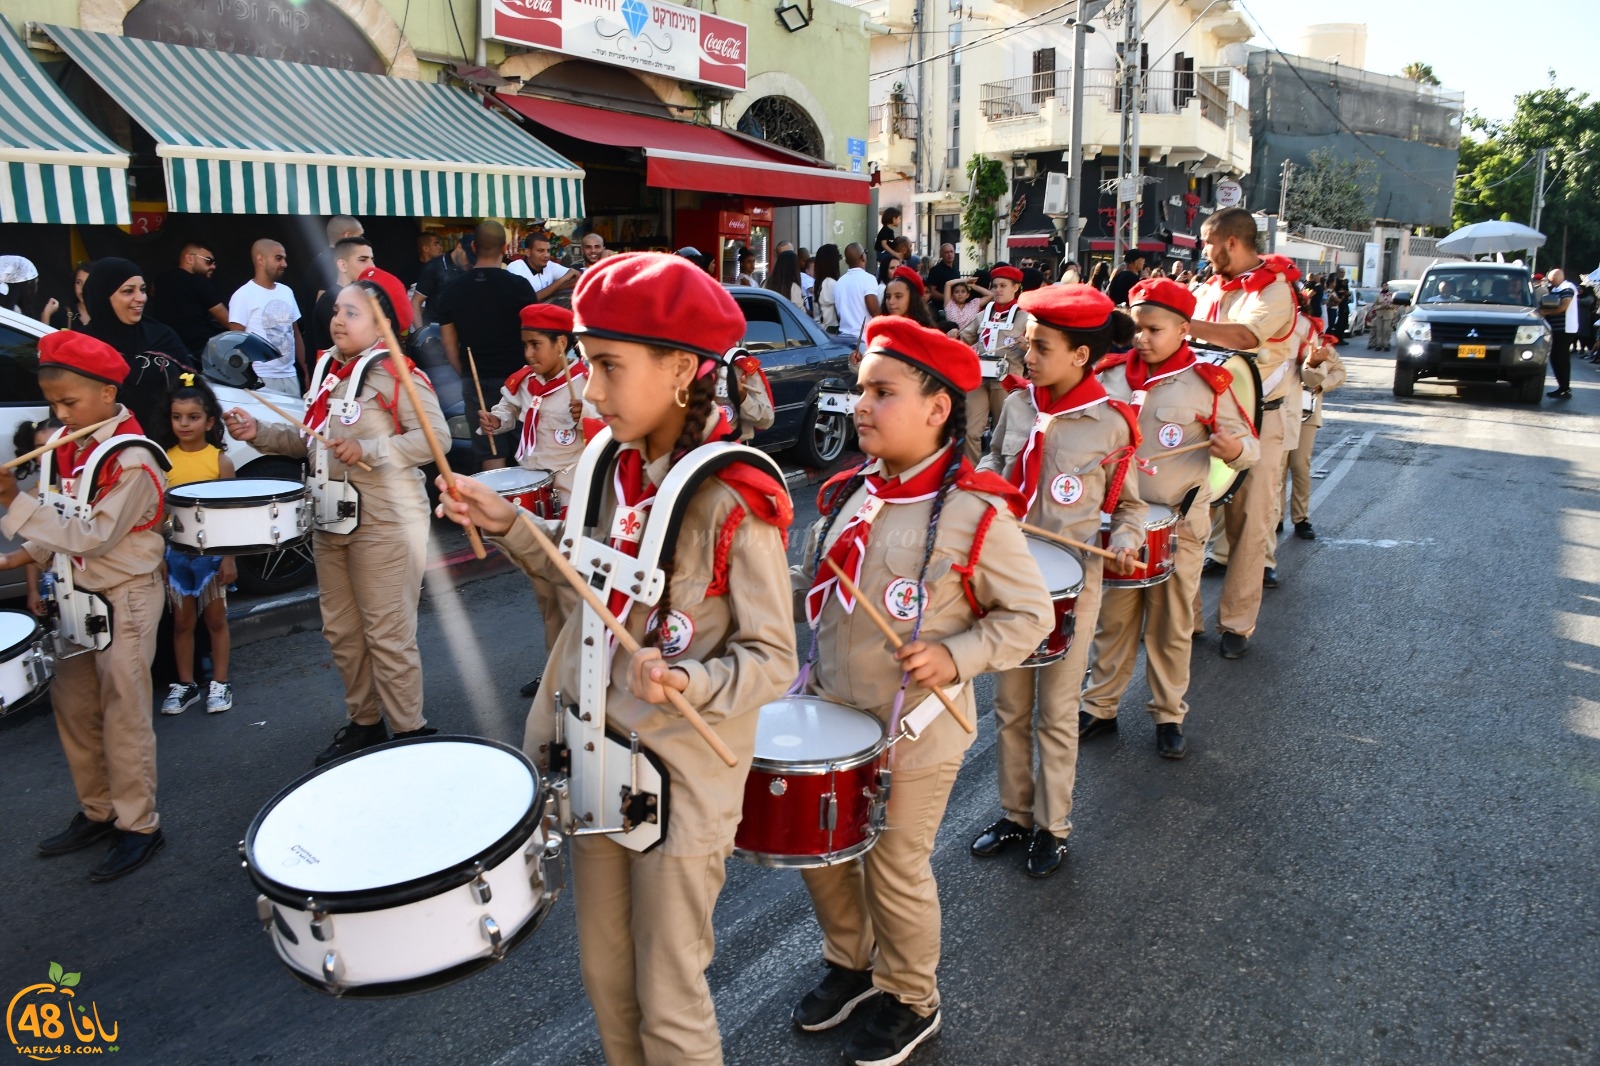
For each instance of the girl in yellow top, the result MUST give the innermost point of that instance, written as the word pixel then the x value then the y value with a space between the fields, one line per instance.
pixel 197 585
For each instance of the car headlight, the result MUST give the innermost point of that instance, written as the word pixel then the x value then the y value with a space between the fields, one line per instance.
pixel 1419 331
pixel 1532 334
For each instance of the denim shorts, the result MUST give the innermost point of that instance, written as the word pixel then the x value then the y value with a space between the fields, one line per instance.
pixel 189 574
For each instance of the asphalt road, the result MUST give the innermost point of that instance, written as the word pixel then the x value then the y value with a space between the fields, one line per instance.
pixel 1381 849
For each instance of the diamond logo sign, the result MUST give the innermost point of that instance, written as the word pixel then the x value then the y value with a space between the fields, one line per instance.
pixel 636 15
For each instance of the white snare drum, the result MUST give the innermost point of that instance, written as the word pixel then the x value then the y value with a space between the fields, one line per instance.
pixel 531 490
pixel 237 516
pixel 25 666
pixel 405 866
pixel 1063 578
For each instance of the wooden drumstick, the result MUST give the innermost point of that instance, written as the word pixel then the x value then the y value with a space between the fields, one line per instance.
pixel 76 434
pixel 292 420
pixel 572 396
pixel 402 369
pixel 1186 449
pixel 625 638
pixel 1068 541
pixel 894 639
pixel 473 366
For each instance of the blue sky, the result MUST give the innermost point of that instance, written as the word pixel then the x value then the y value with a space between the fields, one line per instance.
pixel 1490 50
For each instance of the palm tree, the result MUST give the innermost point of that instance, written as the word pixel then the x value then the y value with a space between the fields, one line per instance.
pixel 1421 73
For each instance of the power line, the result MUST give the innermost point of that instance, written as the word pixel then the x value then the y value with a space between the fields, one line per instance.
pixel 1000 34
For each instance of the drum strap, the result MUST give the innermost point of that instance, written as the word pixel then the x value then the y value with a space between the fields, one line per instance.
pixel 913 725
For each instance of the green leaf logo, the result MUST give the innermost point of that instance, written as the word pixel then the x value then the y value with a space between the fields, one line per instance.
pixel 70 979
pixel 55 972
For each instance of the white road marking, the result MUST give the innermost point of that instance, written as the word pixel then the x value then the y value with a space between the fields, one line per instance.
pixel 1363 542
pixel 1345 463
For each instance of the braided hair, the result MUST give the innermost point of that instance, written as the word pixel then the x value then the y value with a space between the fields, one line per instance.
pixel 702 401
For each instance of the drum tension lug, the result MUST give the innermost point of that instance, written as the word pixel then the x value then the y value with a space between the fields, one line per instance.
pixel 263 911
pixel 828 815
pixel 330 972
pixel 491 932
pixel 321 924
pixel 480 888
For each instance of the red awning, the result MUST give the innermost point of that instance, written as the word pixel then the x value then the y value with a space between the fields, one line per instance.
pixel 681 155
pixel 1111 246
pixel 1029 240
pixel 1183 240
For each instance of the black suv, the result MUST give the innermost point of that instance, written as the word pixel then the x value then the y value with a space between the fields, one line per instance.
pixel 1473 322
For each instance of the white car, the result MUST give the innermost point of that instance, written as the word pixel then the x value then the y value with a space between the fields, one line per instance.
pixel 21 401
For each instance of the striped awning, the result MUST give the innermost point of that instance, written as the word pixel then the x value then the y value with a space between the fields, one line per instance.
pixel 54 165
pixel 239 134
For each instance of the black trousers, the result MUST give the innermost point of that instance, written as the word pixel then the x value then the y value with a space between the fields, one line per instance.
pixel 1561 358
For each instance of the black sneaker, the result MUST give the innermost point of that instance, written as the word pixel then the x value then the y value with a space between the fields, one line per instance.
pixel 351 739
pixel 181 695
pixel 1560 394
pixel 423 731
pixel 1091 726
pixel 531 689
pixel 80 834
pixel 131 851
pixel 1304 531
pixel 890 1036
pixel 1045 852
pixel 998 837
pixel 832 1001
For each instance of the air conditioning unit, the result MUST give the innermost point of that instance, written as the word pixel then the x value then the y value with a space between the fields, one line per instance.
pixel 1055 194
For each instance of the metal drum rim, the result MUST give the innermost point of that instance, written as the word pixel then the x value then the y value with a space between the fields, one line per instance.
pixel 176 497
pixel 35 635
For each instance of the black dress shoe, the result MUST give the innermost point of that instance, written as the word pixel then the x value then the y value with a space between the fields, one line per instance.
pixel 1234 645
pixel 421 731
pixel 1269 578
pixel 1169 741
pixel 1560 394
pixel 1089 726
pixel 82 833
pixel 997 838
pixel 1279 527
pixel 131 851
pixel 1304 531
pixel 351 739
pixel 1212 568
pixel 832 1001
pixel 531 689
pixel 1046 851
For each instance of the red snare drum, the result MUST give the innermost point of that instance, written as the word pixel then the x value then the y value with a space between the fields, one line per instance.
pixel 1063 576
pixel 817 787
pixel 1160 551
pixel 532 490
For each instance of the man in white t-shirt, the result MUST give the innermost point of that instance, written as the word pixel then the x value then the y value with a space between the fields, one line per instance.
pixel 268 309
pixel 855 295
pixel 1563 319
pixel 545 275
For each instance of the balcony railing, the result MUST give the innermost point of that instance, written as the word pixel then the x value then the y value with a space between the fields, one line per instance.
pixel 1165 92
pixel 897 118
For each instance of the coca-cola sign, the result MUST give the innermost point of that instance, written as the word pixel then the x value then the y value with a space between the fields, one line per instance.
pixel 653 38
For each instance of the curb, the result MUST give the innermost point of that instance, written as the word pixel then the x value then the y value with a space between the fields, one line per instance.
pixel 297 611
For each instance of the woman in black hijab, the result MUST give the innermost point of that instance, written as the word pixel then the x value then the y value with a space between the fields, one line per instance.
pixel 115 297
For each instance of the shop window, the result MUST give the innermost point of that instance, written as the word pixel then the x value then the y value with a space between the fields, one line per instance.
pixel 779 120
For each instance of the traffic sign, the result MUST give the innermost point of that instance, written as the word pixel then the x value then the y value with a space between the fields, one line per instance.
pixel 855 148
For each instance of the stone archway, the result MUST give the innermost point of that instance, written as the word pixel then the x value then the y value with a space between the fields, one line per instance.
pixel 789 88
pixel 370 17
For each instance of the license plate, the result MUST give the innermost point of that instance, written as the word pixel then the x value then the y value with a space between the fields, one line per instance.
pixel 1472 351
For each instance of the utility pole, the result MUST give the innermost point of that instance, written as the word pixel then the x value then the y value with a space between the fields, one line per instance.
pixel 1129 180
pixel 1285 176
pixel 917 154
pixel 1538 202
pixel 1087 9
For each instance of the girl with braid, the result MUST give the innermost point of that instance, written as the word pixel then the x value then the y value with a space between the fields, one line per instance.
pixel 1066 447
pixel 935 546
pixel 654 330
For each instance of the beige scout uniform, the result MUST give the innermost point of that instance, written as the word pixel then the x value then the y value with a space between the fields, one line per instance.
pixel 881 911
pixel 1187 401
pixel 1317 380
pixel 370 579
pixel 1075 447
pixel 756 412
pixel 558 444
pixel 1250 515
pixel 102 700
pixel 644 920
pixel 1003 337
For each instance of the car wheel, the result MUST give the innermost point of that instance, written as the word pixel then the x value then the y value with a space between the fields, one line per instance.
pixel 824 437
pixel 281 571
pixel 1531 389
pixel 1405 379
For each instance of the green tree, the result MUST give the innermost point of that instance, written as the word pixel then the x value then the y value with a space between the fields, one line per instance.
pixel 986 183
pixel 1496 178
pixel 1421 73
pixel 1332 192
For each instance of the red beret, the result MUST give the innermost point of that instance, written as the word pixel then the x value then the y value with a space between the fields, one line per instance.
pixel 655 298
pixel 84 355
pixel 395 289
pixel 1332 339
pixel 547 318
pixel 1163 292
pixel 944 357
pixel 911 278
pixel 1075 308
pixel 1007 271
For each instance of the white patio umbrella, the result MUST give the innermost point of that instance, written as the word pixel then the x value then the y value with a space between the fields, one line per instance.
pixel 1485 238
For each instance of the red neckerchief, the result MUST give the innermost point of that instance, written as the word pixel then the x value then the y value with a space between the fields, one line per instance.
pixel 850 550
pixel 71 457
pixel 317 413
pixel 1082 396
pixel 1140 374
pixel 635 496
pixel 537 391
